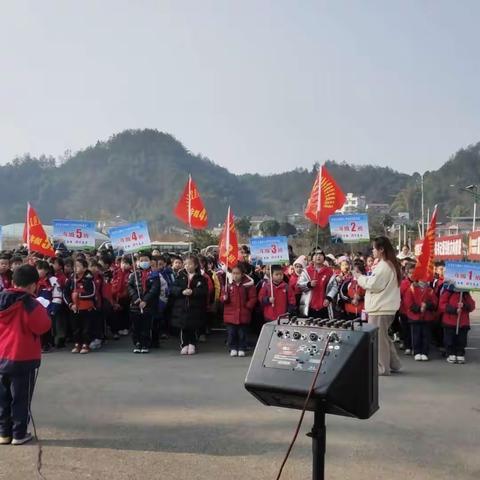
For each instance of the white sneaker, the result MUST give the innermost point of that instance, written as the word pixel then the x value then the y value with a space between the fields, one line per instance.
pixel 5 440
pixel 424 358
pixel 233 353
pixel 192 350
pixel 95 344
pixel 452 359
pixel 408 351
pixel 184 350
pixel 418 357
pixel 123 332
pixel 460 359
pixel 241 353
pixel 20 441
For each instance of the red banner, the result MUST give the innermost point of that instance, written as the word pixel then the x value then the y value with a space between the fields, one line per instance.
pixel 446 248
pixel 228 250
pixel 190 208
pixel 474 246
pixel 425 267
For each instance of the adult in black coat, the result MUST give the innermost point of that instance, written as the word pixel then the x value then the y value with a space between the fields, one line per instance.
pixel 189 309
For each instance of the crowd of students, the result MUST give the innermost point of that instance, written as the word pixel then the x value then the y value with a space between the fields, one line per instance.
pixel 94 296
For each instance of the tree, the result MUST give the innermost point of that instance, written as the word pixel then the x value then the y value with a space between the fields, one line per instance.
pixel 287 229
pixel 269 228
pixel 203 238
pixel 243 225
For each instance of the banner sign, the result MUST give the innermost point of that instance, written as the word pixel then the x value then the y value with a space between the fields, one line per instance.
pixel 465 275
pixel 474 246
pixel 270 250
pixel 75 234
pixel 130 238
pixel 446 248
pixel 1 238
pixel 350 228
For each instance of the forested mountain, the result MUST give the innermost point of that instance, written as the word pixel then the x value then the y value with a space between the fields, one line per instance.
pixel 140 174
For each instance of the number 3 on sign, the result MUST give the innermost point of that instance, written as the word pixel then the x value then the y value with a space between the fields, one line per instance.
pixel 274 249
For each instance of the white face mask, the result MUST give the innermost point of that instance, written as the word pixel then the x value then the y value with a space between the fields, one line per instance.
pixel 144 265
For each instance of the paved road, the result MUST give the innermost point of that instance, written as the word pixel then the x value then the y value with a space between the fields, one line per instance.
pixel 116 415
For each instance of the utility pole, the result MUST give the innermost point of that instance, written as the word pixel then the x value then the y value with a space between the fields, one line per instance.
pixel 423 211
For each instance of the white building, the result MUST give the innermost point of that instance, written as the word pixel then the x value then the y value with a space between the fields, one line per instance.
pixel 353 203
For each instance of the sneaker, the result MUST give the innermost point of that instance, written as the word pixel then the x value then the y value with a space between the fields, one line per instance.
pixel 202 338
pixel 5 440
pixel 233 353
pixel 408 351
pixel 418 357
pixel 76 348
pixel 396 338
pixel 137 348
pixel 452 359
pixel 85 349
pixel 184 350
pixel 95 344
pixel 192 350
pixel 20 441
pixel 116 336
pixel 123 332
pixel 241 353
pixel 460 359
pixel 144 350
pixel 424 358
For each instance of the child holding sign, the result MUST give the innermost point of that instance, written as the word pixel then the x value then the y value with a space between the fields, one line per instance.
pixel 275 296
pixel 456 307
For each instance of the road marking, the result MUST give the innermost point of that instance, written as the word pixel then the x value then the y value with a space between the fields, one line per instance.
pixel 471 348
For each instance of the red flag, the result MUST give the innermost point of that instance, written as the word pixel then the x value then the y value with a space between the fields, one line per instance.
pixel 35 235
pixel 190 208
pixel 425 267
pixel 324 201
pixel 228 249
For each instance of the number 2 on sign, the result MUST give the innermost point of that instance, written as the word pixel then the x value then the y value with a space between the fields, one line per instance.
pixel 353 226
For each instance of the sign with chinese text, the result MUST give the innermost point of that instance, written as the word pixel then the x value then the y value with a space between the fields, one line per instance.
pixel 130 238
pixel 465 275
pixel 270 250
pixel 446 248
pixel 75 234
pixel 474 246
pixel 349 228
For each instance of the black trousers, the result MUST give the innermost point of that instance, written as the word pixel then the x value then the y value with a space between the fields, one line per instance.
pixel 406 332
pixel 141 327
pixel 455 344
pixel 188 336
pixel 237 337
pixel 421 337
pixel 81 323
pixel 123 315
pixel 97 325
pixel 16 393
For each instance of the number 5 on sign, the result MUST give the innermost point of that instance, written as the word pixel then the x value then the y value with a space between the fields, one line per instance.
pixel 75 234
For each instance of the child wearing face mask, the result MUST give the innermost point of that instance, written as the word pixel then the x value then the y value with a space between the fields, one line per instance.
pixel 143 290
pixel 298 265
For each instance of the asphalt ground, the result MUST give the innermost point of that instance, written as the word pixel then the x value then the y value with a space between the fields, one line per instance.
pixel 116 415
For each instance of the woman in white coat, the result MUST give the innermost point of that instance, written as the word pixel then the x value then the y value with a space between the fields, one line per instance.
pixel 382 300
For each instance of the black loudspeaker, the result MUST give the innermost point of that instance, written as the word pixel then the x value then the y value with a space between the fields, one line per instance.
pixel 287 356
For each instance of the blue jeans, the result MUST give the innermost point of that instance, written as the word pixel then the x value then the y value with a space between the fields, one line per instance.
pixel 237 337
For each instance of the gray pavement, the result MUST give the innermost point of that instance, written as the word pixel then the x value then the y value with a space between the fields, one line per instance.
pixel 117 415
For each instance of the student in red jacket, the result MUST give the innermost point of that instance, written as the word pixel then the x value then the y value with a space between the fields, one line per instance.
pixel 121 300
pixel 403 312
pixel 298 265
pixel 420 306
pixel 456 307
pixel 351 294
pixel 239 299
pixel 283 299
pixel 5 273
pixel 22 322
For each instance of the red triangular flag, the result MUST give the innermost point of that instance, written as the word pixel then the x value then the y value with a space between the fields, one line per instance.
pixel 324 201
pixel 228 249
pixel 35 235
pixel 190 208
pixel 425 267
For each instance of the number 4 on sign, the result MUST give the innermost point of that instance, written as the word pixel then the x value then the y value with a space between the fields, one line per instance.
pixel 134 236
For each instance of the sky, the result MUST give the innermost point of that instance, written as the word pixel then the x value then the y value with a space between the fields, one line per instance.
pixel 258 86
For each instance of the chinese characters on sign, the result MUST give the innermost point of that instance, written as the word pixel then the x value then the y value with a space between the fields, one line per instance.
pixel 74 234
pixel 448 247
pixel 130 238
pixel 349 228
pixel 270 250
pixel 465 275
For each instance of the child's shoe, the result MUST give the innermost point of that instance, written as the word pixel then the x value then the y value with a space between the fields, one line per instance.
pixel 418 357
pixel 184 350
pixel 144 350
pixel 5 440
pixel 192 350
pixel 241 353
pixel 460 359
pixel 137 348
pixel 233 353
pixel 20 441
pixel 424 358
pixel 452 359
pixel 84 349
pixel 76 348
pixel 408 351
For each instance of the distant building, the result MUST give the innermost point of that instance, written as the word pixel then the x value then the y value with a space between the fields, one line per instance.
pixel 299 221
pixel 378 208
pixel 353 203
pixel 255 223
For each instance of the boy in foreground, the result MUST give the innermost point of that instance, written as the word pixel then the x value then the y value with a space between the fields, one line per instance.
pixel 22 322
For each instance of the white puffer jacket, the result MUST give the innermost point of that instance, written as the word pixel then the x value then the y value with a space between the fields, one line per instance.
pixel 382 290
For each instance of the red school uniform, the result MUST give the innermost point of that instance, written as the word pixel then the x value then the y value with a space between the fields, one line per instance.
pixel 319 294
pixel 284 299
pixel 240 302
pixel 448 306
pixel 415 295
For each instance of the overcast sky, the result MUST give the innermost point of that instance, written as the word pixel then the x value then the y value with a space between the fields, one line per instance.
pixel 256 86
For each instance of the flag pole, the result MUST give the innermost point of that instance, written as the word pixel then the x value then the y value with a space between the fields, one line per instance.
pixel 459 314
pixel 271 285
pixel 319 199
pixel 190 209
pixel 28 229
pixel 227 247
pixel 136 281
